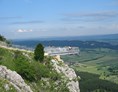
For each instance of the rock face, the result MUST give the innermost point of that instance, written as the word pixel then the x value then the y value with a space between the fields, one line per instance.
pixel 15 79
pixel 69 74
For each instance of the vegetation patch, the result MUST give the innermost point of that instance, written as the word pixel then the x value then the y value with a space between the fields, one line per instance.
pixel 5 86
pixel 91 83
pixel 33 71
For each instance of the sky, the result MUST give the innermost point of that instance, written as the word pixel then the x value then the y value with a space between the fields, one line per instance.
pixel 24 19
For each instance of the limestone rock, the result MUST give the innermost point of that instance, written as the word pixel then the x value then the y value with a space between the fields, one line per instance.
pixel 69 73
pixel 6 86
pixel 15 79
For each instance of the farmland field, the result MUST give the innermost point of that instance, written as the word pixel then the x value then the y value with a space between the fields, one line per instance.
pixel 103 62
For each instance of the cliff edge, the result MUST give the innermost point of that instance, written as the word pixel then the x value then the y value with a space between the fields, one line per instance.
pixel 68 75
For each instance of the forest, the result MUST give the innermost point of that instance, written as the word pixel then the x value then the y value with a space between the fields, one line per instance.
pixel 91 83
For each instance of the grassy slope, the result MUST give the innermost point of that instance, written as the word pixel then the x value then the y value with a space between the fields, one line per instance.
pixel 32 71
pixel 7 57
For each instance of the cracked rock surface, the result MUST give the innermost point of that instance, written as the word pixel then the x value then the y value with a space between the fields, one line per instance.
pixel 15 79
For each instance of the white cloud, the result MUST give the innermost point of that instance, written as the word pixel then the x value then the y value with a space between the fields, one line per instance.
pixel 22 31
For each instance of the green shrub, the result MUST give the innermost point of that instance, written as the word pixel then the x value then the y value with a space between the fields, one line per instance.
pixel 2 38
pixel 25 69
pixel 40 70
pixel 55 76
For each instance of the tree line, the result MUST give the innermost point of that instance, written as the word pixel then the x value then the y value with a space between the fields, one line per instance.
pixel 91 83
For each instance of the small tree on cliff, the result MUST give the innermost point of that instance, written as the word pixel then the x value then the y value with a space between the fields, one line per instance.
pixel 39 53
pixel 2 38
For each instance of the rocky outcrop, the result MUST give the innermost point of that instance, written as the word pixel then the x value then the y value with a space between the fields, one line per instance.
pixel 14 79
pixel 69 75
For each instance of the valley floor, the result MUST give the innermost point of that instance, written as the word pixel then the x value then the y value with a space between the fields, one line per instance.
pixel 100 61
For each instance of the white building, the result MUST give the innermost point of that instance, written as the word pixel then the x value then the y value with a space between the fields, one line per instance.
pixel 52 51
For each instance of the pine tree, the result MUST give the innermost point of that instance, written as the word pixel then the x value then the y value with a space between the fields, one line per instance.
pixel 39 53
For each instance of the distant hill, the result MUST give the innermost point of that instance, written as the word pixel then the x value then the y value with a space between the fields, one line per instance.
pixel 87 38
pixel 73 43
pixel 98 41
pixel 100 37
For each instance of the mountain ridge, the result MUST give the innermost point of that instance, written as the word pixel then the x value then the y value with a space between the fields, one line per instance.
pixel 86 37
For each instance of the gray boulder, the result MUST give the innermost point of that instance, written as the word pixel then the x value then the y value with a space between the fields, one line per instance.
pixel 15 79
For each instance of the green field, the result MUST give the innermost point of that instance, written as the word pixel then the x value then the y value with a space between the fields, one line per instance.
pixel 103 62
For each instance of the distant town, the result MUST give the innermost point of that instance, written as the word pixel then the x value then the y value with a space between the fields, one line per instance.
pixel 50 50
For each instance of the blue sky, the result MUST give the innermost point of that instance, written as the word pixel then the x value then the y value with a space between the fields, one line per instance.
pixel 47 18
